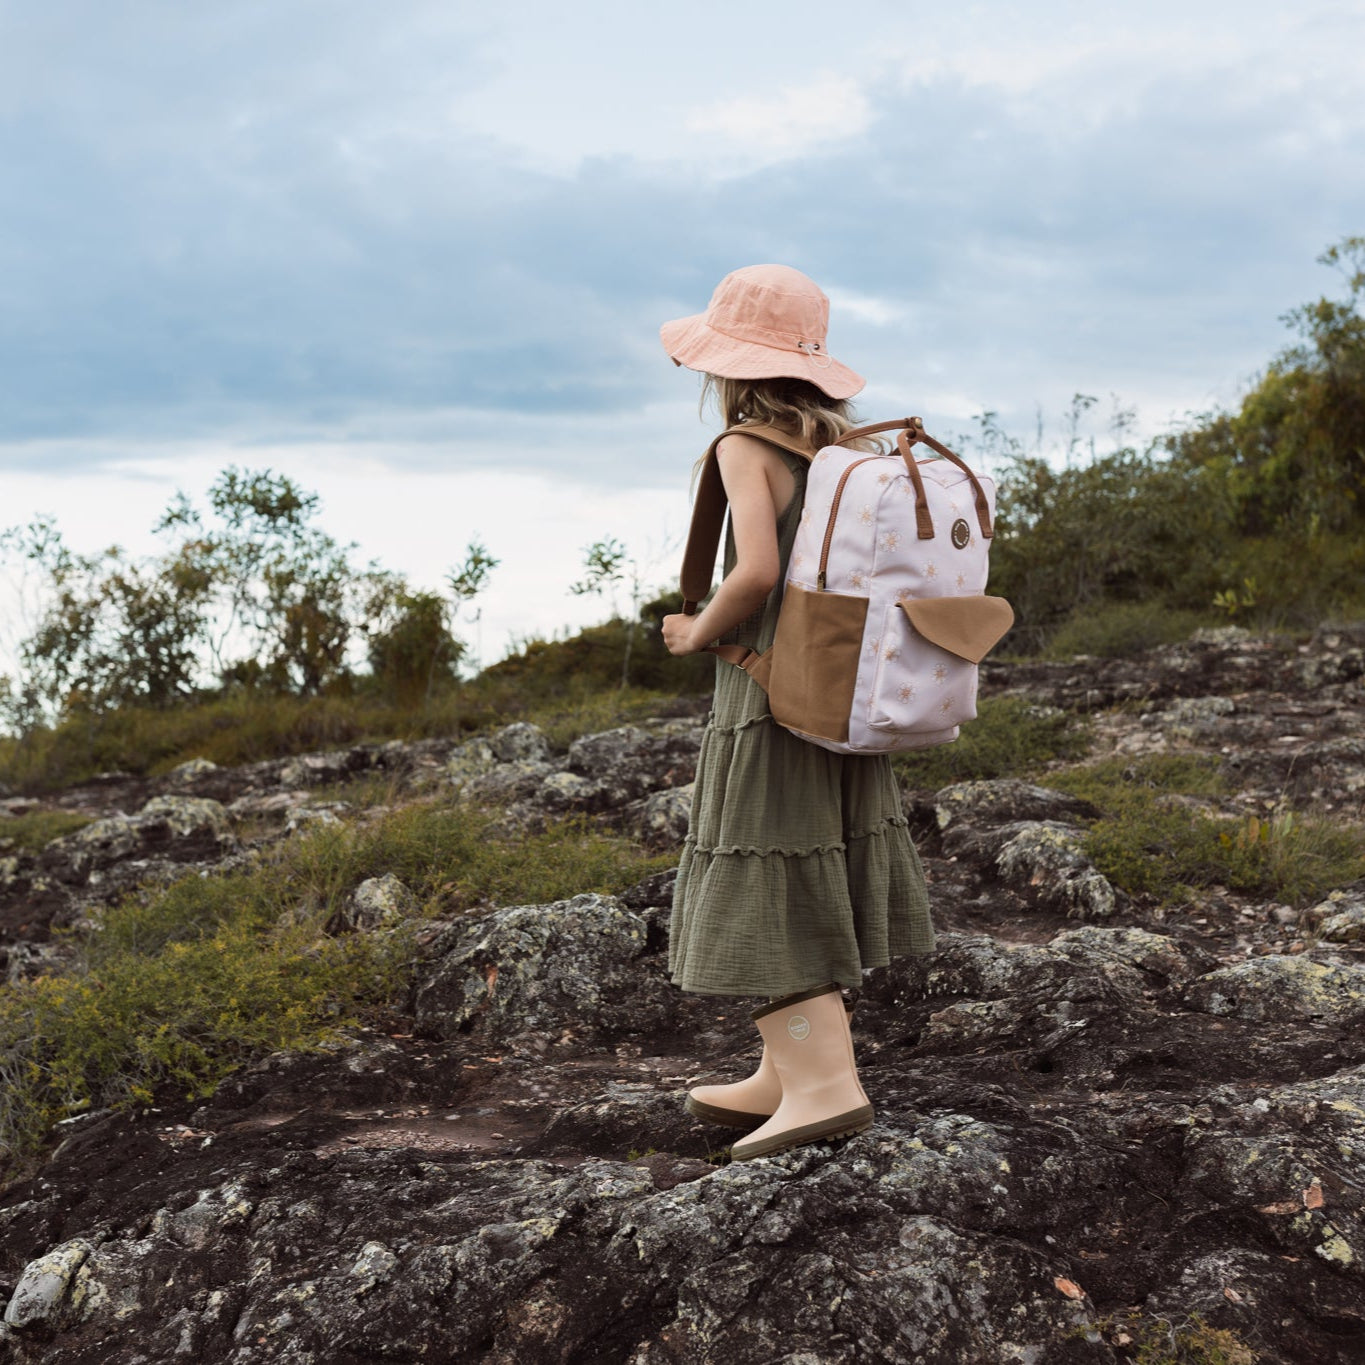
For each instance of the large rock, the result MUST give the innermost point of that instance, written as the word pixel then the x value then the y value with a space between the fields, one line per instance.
pixel 973 992
pixel 612 776
pixel 1341 917
pixel 661 820
pixel 1048 859
pixel 800 1257
pixel 193 767
pixel 377 903
pixel 55 1290
pixel 178 828
pixel 631 761
pixel 545 976
pixel 520 742
pixel 468 762
pixel 1280 1158
pixel 506 783
pixel 522 747
pixel 1192 718
pixel 1336 654
pixel 1282 987
pixel 319 770
pixel 1004 801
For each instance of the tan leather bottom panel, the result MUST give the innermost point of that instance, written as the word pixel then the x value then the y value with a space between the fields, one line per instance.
pixel 815 661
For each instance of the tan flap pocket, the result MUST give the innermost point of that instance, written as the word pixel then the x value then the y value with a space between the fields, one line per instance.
pixel 969 627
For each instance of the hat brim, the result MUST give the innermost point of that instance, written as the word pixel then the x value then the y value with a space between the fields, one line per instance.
pixel 692 343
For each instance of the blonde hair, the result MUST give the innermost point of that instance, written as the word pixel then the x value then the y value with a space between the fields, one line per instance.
pixel 794 405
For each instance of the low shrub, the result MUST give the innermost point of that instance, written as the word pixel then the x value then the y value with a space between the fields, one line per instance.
pixel 1149 841
pixel 1009 737
pixel 185 1013
pixel 1177 774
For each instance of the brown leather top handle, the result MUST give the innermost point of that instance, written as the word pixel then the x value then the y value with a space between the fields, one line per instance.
pixel 911 430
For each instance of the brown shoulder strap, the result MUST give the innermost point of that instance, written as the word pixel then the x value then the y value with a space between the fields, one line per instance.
pixel 708 512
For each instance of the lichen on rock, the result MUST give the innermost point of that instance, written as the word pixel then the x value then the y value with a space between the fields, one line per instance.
pixel 1049 859
pixel 1280 987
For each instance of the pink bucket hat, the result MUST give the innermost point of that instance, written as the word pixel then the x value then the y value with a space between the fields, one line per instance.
pixel 764 322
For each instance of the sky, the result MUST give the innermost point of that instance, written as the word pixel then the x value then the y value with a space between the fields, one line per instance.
pixel 416 255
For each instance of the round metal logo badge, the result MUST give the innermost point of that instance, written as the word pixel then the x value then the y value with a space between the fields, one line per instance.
pixel 961 533
pixel 798 1026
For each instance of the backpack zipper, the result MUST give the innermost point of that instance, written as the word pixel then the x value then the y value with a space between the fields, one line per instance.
pixel 834 512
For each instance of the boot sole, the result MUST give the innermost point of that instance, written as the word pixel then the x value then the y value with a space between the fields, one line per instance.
pixel 730 1118
pixel 842 1125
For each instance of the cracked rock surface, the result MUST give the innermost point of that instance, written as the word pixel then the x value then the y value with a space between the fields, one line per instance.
pixel 1084 1110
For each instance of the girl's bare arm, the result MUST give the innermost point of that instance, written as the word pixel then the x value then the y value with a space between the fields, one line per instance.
pixel 758 485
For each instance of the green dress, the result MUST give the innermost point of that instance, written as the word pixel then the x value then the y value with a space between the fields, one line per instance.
pixel 798 868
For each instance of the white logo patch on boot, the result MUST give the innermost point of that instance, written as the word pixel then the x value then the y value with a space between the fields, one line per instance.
pixel 798 1026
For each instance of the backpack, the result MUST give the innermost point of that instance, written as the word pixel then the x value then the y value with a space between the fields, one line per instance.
pixel 884 616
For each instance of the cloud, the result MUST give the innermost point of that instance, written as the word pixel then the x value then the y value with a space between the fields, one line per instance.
pixel 281 225
pixel 880 312
pixel 830 108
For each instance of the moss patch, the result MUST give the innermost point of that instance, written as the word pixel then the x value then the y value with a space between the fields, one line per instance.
pixel 1165 1341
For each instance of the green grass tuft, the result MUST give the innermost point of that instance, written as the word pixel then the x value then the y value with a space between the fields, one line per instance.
pixel 1009 737
pixel 1120 630
pixel 33 831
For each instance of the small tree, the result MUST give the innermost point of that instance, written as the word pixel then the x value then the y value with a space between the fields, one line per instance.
pixel 286 593
pixel 112 631
pixel 605 564
pixel 414 647
pixel 466 582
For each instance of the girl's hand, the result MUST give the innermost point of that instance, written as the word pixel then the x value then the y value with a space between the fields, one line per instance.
pixel 678 633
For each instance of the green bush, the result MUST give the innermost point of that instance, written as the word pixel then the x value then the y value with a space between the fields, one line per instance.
pixel 542 668
pixel 1009 737
pixel 1257 511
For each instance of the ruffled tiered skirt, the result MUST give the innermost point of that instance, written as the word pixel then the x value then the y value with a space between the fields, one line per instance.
pixel 798 868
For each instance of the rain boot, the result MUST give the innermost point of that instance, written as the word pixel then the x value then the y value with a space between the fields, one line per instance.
pixel 746 1103
pixel 741 1104
pixel 808 1039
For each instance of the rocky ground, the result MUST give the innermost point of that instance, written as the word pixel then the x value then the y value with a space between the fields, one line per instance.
pixel 1104 1128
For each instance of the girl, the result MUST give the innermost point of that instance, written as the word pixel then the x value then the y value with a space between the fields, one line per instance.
pixel 798 873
